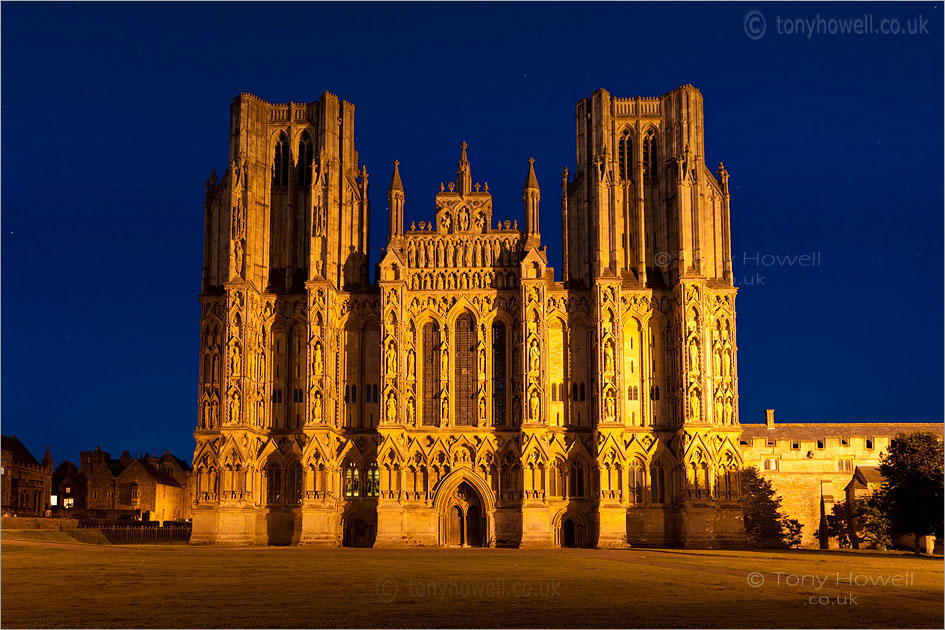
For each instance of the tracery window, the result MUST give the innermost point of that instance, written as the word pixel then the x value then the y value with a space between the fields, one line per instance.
pixel 577 480
pixel 431 374
pixel 305 160
pixel 498 373
pixel 464 371
pixel 373 482
pixel 625 155
pixel 650 162
pixel 280 164
pixel 352 480
pixel 657 484
pixel 293 481
pixel 273 483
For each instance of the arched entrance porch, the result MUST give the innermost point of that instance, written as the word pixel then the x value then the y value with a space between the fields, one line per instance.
pixel 465 507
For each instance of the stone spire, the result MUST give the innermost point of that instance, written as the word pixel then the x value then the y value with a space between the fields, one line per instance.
pixel 531 195
pixel 395 201
pixel 463 177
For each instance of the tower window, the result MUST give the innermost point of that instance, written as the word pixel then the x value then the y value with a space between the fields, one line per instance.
pixel 280 165
pixel 625 156
pixel 498 373
pixel 650 149
pixel 869 443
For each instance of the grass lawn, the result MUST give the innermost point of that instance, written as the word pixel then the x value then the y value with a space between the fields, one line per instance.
pixel 63 584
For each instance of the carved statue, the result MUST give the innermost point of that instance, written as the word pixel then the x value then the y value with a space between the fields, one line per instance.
pixel 728 412
pixel 235 359
pixel 609 356
pixel 610 405
pixel 717 362
pixel 411 363
pixel 726 363
pixel 534 405
pixel 719 410
pixel 445 364
pixel 694 409
pixel 317 361
pixel 391 407
pixel 693 356
pixel 238 257
pixel 410 410
pixel 534 356
pixel 391 359
pixel 482 408
pixel 463 221
pixel 317 407
pixel 235 408
pixel 444 409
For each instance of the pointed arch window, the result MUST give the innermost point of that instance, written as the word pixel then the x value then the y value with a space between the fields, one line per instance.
pixel 293 481
pixel 352 480
pixel 464 370
pixel 431 374
pixel 650 154
pixel 373 484
pixel 280 164
pixel 304 178
pixel 657 484
pixel 273 483
pixel 625 155
pixel 498 374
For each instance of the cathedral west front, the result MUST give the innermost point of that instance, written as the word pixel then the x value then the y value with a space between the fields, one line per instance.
pixel 467 397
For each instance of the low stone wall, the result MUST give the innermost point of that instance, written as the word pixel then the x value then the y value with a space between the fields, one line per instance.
pixel 19 522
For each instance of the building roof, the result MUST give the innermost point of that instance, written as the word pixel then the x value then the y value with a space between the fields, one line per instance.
pixel 817 430
pixel 157 475
pixel 870 474
pixel 185 466
pixel 20 454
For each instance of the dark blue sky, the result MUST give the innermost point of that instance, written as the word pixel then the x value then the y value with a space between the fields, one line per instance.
pixel 113 116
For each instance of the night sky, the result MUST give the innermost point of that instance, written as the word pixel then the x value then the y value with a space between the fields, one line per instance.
pixel 114 115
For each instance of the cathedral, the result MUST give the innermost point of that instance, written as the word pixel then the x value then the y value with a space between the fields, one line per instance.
pixel 466 397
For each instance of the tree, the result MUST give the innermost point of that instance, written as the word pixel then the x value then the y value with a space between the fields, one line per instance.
pixel 839 524
pixel 911 497
pixel 765 525
pixel 871 522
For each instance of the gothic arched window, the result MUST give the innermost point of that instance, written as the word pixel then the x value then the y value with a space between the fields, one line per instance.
pixel 650 154
pixel 625 155
pixel 464 371
pixel 498 373
pixel 577 480
pixel 293 484
pixel 274 483
pixel 305 160
pixel 431 374
pixel 280 163
pixel 373 484
pixel 352 480
pixel 657 484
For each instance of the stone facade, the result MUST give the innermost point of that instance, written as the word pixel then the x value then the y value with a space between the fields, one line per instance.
pixel 468 398
pixel 151 488
pixel 26 483
pixel 811 464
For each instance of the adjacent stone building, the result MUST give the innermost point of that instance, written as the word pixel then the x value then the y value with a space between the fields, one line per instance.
pixel 811 465
pixel 468 397
pixel 149 488
pixel 26 483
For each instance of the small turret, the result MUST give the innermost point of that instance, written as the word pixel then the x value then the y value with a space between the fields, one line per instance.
pixel 463 176
pixel 395 201
pixel 531 195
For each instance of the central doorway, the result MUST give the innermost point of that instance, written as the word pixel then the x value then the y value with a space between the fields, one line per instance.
pixel 464 518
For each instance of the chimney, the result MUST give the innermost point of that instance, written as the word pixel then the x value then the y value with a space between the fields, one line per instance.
pixel 769 418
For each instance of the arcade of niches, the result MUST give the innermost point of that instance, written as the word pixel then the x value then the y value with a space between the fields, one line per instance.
pixel 467 397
